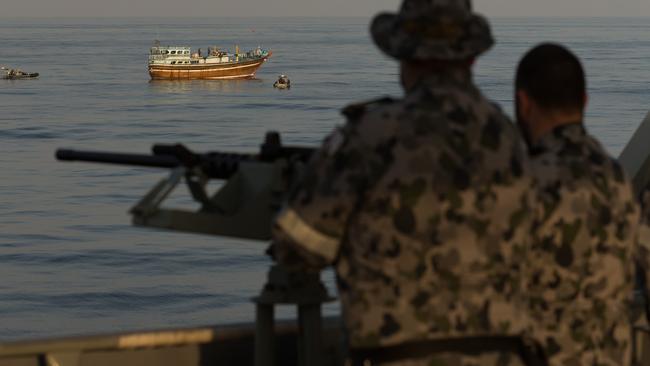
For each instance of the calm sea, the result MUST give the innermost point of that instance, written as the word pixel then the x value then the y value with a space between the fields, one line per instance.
pixel 70 263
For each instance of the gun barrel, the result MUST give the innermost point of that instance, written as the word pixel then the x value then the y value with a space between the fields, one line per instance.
pixel 155 161
pixel 215 165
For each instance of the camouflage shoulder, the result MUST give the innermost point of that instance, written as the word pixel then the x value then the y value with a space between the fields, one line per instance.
pixel 357 110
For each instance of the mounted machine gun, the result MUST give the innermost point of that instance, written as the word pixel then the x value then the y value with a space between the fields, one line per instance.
pixel 256 185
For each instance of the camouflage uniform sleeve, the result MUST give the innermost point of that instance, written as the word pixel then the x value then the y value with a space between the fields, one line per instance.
pixel 308 232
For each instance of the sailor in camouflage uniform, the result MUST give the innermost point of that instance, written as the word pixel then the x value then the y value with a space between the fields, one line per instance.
pixel 580 268
pixel 420 204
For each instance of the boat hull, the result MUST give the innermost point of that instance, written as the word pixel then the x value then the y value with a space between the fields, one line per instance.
pixel 231 70
pixel 20 76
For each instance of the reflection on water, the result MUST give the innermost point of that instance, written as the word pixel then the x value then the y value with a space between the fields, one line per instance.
pixel 192 86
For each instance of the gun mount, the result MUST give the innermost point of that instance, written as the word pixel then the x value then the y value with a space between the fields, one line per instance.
pixel 255 187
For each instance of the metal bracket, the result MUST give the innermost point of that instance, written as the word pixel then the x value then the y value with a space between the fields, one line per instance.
pixel 307 292
pixel 150 203
pixel 196 183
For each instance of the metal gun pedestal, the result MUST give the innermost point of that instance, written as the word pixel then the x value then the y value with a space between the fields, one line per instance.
pixel 307 292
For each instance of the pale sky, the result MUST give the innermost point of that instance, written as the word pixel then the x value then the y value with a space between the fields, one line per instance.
pixel 363 8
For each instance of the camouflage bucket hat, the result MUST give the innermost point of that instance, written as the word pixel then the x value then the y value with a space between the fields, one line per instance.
pixel 432 30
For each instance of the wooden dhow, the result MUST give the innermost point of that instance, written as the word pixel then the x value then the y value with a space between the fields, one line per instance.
pixel 170 62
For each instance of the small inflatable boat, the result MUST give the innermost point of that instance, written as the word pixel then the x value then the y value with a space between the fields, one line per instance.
pixel 283 82
pixel 17 74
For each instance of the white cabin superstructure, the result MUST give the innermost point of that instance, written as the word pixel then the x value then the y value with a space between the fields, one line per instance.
pixel 183 56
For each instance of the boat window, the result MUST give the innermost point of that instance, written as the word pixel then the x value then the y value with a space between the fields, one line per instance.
pixel 173 62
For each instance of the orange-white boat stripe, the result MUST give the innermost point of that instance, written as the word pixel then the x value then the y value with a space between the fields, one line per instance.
pixel 230 77
pixel 207 77
pixel 160 68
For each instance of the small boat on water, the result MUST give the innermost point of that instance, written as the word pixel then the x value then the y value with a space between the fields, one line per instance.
pixel 173 62
pixel 11 74
pixel 283 82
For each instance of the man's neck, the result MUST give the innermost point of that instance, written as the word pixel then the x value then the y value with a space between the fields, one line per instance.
pixel 541 125
pixel 415 76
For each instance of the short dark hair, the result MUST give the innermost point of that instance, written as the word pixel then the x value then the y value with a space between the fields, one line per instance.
pixel 553 77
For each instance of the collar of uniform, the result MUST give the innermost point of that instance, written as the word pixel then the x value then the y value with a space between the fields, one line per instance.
pixel 557 137
pixel 458 76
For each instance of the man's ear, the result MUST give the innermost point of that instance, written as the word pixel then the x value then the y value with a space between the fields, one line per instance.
pixel 523 103
pixel 585 100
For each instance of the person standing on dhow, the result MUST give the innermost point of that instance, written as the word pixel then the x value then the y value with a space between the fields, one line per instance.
pixel 579 275
pixel 420 204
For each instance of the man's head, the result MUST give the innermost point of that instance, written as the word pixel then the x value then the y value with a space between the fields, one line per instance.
pixel 430 36
pixel 550 90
